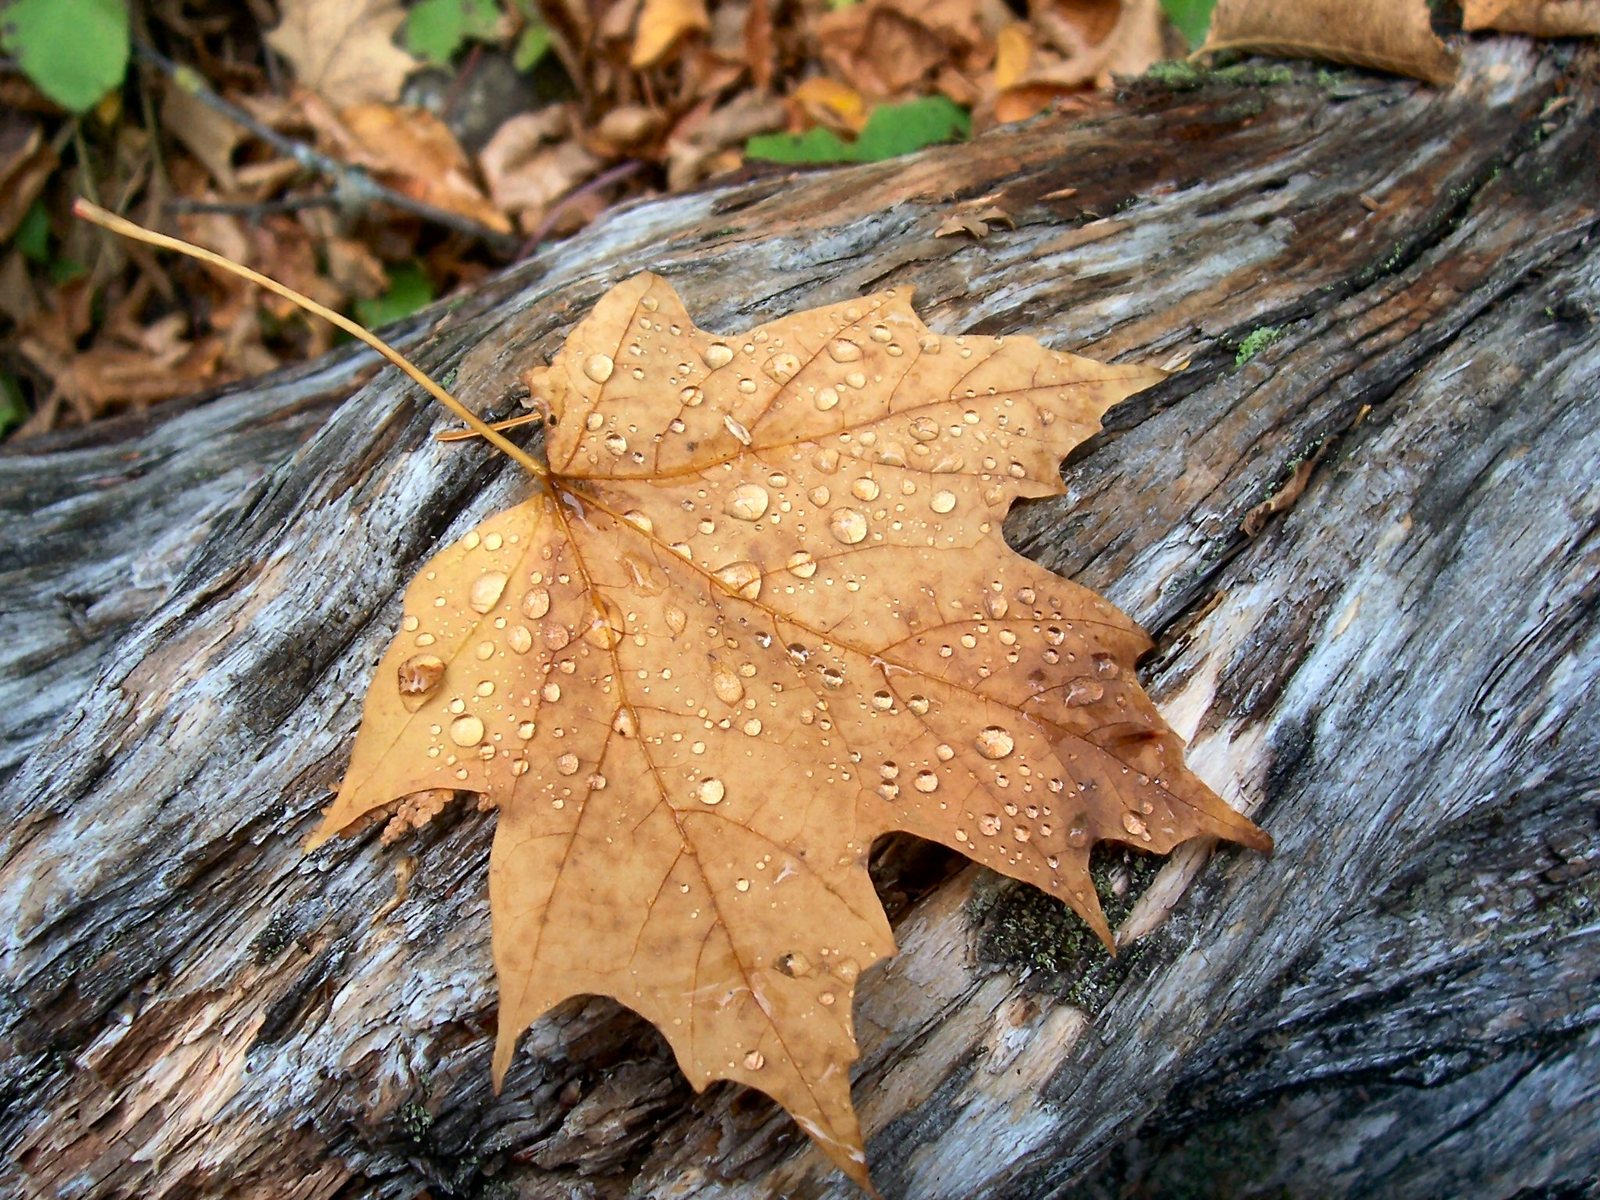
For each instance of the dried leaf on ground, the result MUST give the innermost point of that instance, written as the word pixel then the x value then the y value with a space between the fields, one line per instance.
pixel 344 49
pixel 1392 35
pixel 530 163
pixel 415 153
pixel 26 161
pixel 662 25
pixel 209 136
pixel 1541 18
pixel 761 612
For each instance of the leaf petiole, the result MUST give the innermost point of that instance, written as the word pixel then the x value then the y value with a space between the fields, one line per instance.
pixel 106 220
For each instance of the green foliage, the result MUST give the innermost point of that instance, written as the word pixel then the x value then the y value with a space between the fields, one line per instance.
pixel 409 290
pixel 436 29
pixel 1192 17
pixel 33 235
pixel 75 51
pixel 891 130
pixel 13 410
pixel 1255 342
pixel 534 40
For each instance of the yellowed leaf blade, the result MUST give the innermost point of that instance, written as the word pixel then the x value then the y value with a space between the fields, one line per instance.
pixel 1541 18
pixel 662 23
pixel 761 613
pixel 1392 35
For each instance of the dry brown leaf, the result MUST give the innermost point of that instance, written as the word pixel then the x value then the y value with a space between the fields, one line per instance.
pixel 881 50
pixel 662 25
pixel 1541 18
pixel 209 136
pixel 1068 47
pixel 975 224
pixel 828 102
pixel 1392 35
pixel 528 169
pixel 415 153
pixel 343 49
pixel 26 162
pixel 760 613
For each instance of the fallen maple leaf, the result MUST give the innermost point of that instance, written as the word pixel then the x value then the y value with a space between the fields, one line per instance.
pixel 343 49
pixel 760 612
pixel 1392 35
pixel 1542 18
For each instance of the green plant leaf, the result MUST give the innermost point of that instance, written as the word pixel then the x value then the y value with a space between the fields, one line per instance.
pixel 532 45
pixel 75 51
pixel 1192 17
pixel 891 130
pixel 436 29
pixel 409 290
pixel 33 234
pixel 13 409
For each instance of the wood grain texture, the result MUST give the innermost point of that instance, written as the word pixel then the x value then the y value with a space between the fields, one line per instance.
pixel 1394 678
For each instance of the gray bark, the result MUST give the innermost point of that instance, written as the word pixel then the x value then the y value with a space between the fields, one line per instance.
pixel 1393 677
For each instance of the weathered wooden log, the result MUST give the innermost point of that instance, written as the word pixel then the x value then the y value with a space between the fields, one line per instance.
pixel 1394 676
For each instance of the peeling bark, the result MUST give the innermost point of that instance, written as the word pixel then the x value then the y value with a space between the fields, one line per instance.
pixel 1393 677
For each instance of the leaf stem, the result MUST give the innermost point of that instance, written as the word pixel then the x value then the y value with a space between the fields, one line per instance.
pixel 107 220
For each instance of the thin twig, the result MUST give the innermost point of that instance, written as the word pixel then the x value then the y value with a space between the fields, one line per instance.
pixel 93 212
pixel 351 184
pixel 264 208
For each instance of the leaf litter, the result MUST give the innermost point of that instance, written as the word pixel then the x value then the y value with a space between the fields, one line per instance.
pixel 757 612
pixel 513 121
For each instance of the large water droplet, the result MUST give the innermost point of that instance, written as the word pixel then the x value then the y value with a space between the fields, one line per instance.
pixel 718 355
pixel 485 591
pixel 747 502
pixel 995 742
pixel 926 781
pixel 710 791
pixel 598 367
pixel 1134 825
pixel 848 525
pixel 677 620
pixel 420 674
pixel 801 565
pixel 794 964
pixel 519 638
pixel 727 686
pixel 865 488
pixel 782 367
pixel 754 1061
pixel 567 764
pixel 743 579
pixel 1083 691
pixel 827 398
pixel 466 731
pixel 535 603
pixel 844 350
pixel 640 521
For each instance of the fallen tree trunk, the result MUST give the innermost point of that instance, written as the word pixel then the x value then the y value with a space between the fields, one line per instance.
pixel 1385 295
